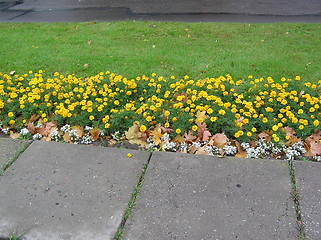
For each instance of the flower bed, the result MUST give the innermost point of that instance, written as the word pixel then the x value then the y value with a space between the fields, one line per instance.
pixel 253 117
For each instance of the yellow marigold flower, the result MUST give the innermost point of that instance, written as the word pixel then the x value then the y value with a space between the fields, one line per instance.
pixel 107 125
pixel 12 122
pixel 213 119
pixel 221 112
pixel 166 125
pixel 276 139
pixel 249 134
pixel 275 128
pixel 178 131
pixel 210 111
pixel 269 109
pixel 200 120
pixel 194 127
pixel 10 114
pixel 149 118
pixel 316 123
pixel 265 120
pixel 253 129
pixel 142 128
pixel 294 120
pixel 91 117
pixel 234 110
pixel 129 155
pixel 167 113
pixel 312 109
pixel 301 127
pixel 297 78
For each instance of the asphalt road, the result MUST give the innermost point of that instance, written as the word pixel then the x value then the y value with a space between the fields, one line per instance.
pixel 161 10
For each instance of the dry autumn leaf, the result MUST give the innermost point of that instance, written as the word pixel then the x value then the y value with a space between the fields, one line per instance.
pixel 203 134
pixel 313 144
pixel 219 140
pixel 201 115
pixel 34 117
pixel 157 135
pixel 134 136
pixel 95 132
pixel 14 135
pixel 264 135
pixel 290 134
pixel 201 151
pixel 189 137
pixel 31 128
pixel 240 152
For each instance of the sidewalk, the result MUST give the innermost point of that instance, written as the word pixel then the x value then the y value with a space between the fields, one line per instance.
pixel 166 10
pixel 64 191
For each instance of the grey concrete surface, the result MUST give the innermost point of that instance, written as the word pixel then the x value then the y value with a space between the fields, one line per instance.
pixel 267 7
pixel 165 10
pixel 308 179
pixel 10 149
pixel 202 197
pixel 63 191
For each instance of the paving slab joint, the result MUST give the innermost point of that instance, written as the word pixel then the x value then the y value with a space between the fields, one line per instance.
pixel 296 199
pixel 9 163
pixel 131 203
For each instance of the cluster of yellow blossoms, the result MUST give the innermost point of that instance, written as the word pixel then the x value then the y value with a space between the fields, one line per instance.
pixel 239 108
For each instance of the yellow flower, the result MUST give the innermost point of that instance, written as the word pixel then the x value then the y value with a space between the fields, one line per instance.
pixel 167 113
pixel 300 111
pixel 316 123
pixel 265 120
pixel 107 125
pixel 249 134
pixel 221 112
pixel 213 119
pixel 194 127
pixel 129 155
pixel 178 131
pixel 10 114
pixel 12 122
pixel 253 129
pixel 275 128
pixel 142 128
pixel 301 127
pixel 91 117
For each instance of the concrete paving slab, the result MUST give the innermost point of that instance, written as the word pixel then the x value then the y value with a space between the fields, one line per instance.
pixel 64 191
pixel 201 197
pixel 309 186
pixel 10 149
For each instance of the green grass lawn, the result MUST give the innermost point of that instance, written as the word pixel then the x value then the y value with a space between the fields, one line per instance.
pixel 136 48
